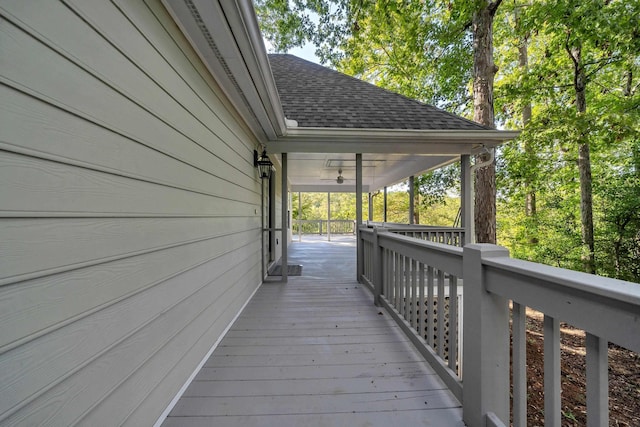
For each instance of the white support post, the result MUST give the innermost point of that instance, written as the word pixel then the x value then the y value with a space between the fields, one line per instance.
pixel 378 273
pixel 370 207
pixel 597 381
pixel 359 248
pixel 412 199
pixel 466 198
pixel 284 218
pixel 329 216
pixel 299 216
pixel 486 341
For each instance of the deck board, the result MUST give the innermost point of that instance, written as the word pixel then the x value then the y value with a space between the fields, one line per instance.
pixel 314 352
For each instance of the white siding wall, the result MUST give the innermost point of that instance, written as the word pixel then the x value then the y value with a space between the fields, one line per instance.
pixel 129 212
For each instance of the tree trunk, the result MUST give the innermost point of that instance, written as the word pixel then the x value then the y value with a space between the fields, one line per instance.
pixel 584 164
pixel 530 198
pixel 530 208
pixel 484 71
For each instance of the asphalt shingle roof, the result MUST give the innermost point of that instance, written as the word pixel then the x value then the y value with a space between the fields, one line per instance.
pixel 316 96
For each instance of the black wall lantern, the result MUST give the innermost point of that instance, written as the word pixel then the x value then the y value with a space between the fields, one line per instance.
pixel 263 164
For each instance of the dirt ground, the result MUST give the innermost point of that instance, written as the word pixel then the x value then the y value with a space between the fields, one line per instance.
pixel 624 378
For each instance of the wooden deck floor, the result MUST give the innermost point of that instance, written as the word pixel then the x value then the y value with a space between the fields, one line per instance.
pixel 316 352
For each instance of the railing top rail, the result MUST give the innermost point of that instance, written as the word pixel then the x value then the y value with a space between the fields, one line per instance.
pixel 423 244
pixel 410 227
pixel 600 286
pixel 430 229
pixel 438 255
pixel 324 220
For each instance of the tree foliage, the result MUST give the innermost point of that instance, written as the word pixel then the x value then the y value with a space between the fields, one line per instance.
pixel 592 47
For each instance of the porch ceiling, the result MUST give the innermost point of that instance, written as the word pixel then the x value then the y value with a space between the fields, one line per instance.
pixel 317 172
pixel 315 155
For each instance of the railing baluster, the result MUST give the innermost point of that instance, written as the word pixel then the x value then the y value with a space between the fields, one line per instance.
pixel 430 289
pixel 383 276
pixel 519 365
pixel 414 298
pixel 371 265
pixel 398 281
pixel 453 323
pixel 369 259
pixel 368 264
pixel 552 387
pixel 365 255
pixel 421 305
pixel 390 276
pixel 441 309
pixel 407 288
pixel 597 381
pixel 387 274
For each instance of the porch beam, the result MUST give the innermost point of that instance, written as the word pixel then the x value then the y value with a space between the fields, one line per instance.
pixel 323 188
pixel 410 141
pixel 284 217
pixel 359 248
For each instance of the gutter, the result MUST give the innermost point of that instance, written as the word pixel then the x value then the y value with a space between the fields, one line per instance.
pixel 411 141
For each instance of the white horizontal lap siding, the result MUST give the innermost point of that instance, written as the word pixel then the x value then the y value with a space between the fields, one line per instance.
pixel 129 213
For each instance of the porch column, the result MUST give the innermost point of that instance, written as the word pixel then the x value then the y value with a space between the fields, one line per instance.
pixel 370 207
pixel 466 197
pixel 384 209
pixel 412 199
pixel 299 216
pixel 359 248
pixel 329 216
pixel 284 219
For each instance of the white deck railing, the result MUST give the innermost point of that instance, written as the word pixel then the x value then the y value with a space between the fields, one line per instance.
pixel 414 280
pixel 447 235
pixel 319 226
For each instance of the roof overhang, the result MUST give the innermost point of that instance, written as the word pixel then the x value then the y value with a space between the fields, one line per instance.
pixel 226 36
pixel 408 141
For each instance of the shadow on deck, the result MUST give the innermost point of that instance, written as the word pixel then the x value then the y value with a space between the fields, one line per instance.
pixel 316 352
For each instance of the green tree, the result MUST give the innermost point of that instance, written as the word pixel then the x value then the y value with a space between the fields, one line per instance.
pixel 582 59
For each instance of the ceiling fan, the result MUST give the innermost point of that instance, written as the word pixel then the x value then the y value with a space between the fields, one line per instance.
pixel 340 178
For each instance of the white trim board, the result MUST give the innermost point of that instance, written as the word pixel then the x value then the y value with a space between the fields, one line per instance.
pixel 187 383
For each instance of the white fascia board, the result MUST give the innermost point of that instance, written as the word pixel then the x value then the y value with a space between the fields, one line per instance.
pixel 244 24
pixel 238 60
pixel 411 141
